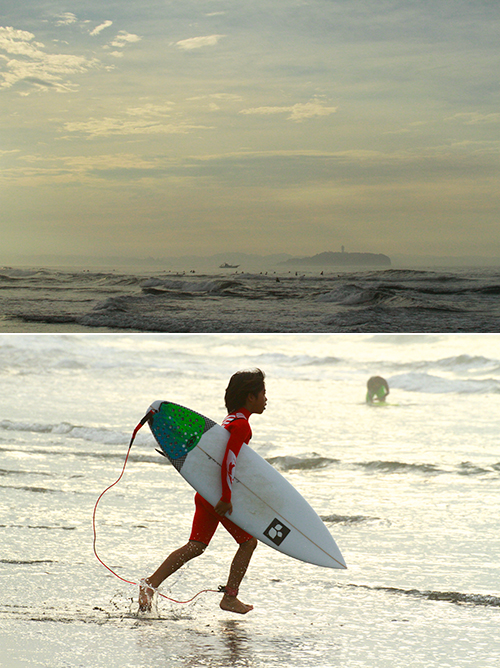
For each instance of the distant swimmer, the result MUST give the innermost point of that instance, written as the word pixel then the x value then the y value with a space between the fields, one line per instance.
pixel 377 389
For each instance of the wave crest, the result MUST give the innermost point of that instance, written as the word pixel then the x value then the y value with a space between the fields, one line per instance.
pixel 488 600
pixel 303 462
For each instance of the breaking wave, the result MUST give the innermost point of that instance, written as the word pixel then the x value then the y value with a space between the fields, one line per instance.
pixel 304 462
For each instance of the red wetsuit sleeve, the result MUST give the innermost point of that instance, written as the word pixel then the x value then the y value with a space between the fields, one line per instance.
pixel 240 433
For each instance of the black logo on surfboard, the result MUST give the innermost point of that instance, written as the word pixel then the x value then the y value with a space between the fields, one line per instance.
pixel 277 531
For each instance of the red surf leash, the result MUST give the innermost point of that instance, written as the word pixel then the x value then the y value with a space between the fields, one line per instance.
pixel 141 424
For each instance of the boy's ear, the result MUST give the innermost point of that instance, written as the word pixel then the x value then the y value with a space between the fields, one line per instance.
pixel 251 397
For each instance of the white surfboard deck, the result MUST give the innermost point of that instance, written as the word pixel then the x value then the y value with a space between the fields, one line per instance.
pixel 265 504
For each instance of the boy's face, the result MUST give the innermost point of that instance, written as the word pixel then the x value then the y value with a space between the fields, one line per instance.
pixel 256 403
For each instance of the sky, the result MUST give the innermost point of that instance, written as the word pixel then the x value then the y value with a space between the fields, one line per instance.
pixel 191 127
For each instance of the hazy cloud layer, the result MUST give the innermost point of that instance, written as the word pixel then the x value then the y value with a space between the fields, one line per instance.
pixel 297 112
pixel 295 126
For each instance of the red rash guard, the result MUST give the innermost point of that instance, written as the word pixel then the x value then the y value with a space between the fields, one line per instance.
pixel 239 428
pixel 205 519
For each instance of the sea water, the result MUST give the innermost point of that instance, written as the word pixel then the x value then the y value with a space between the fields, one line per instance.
pixel 410 491
pixel 270 300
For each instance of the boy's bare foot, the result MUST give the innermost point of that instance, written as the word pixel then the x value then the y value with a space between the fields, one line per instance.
pixel 232 604
pixel 145 597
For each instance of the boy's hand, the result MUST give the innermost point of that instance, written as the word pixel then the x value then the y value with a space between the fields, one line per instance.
pixel 222 508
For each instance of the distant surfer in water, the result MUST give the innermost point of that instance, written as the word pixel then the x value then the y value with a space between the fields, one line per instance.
pixel 377 390
pixel 245 394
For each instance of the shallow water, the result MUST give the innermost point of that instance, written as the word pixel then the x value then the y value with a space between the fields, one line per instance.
pixel 409 491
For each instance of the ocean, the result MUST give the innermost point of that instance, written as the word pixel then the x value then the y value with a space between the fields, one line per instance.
pixel 266 301
pixel 410 491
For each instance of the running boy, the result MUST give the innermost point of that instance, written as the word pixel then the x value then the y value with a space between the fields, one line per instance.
pixel 245 394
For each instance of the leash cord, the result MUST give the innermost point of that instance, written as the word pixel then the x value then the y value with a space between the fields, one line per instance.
pixel 141 423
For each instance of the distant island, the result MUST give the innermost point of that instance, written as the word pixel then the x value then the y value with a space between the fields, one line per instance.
pixel 343 259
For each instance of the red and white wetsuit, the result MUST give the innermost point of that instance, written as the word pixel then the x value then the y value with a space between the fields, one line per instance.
pixel 205 519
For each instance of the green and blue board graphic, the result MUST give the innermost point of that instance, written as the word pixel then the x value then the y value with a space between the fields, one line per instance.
pixel 178 430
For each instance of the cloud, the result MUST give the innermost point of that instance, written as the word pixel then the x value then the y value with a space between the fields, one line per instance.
pixel 151 110
pixel 298 112
pixel 198 42
pixel 19 42
pixel 65 19
pixel 33 66
pixel 36 170
pixel 25 61
pixel 474 118
pixel 123 38
pixel 146 120
pixel 98 29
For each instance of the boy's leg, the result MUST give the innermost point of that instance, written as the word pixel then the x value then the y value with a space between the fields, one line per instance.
pixel 171 564
pixel 237 572
pixel 204 525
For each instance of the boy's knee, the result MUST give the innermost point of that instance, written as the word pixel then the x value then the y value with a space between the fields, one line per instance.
pixel 251 544
pixel 196 548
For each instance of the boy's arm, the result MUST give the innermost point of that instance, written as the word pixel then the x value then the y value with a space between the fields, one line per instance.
pixel 239 433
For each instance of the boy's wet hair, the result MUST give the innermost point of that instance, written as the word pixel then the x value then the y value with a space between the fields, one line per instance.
pixel 241 384
pixel 376 382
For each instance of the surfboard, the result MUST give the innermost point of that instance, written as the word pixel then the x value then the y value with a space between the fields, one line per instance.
pixel 265 504
pixel 379 404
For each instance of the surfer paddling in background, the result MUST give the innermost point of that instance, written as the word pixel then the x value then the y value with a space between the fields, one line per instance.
pixel 245 395
pixel 377 390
